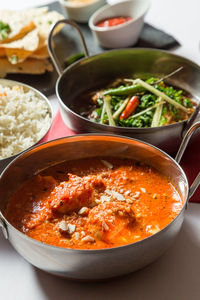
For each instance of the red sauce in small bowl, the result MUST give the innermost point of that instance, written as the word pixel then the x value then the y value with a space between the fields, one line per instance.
pixel 110 22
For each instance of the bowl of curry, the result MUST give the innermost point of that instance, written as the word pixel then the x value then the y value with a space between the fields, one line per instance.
pixel 94 203
pixel 77 213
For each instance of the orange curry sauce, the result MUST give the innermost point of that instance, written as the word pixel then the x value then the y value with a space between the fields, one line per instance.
pixel 94 203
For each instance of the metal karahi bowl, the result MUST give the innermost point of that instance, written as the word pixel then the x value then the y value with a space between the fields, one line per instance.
pixel 93 71
pixel 10 83
pixel 103 263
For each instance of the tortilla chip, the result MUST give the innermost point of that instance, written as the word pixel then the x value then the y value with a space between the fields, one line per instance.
pixel 19 50
pixel 22 22
pixel 29 66
pixel 29 42
pixel 35 11
pixel 2 52
pixel 17 55
pixel 19 24
pixel 40 53
pixel 24 30
pixel 44 24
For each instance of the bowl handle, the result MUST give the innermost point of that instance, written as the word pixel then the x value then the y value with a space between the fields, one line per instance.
pixel 181 151
pixel 191 120
pixel 50 44
pixel 3 226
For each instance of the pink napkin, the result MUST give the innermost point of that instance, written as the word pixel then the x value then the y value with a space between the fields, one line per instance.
pixel 190 162
pixel 57 130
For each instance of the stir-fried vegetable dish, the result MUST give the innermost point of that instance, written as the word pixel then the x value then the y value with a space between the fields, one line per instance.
pixel 94 203
pixel 138 103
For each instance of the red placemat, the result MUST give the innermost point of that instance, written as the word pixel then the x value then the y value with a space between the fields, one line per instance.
pixel 57 130
pixel 190 162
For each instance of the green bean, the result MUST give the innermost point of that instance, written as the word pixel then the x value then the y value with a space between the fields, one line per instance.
pixel 125 90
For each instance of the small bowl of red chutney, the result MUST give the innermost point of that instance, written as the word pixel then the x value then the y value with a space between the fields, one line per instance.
pixel 119 25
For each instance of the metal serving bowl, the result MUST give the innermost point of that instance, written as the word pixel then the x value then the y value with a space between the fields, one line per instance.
pixel 94 71
pixel 103 263
pixel 10 83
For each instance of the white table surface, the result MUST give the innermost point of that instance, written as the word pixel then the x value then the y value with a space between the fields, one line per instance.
pixel 176 275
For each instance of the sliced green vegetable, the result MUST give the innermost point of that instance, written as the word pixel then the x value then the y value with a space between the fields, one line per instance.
pixel 157 114
pixel 103 113
pixel 169 75
pixel 120 109
pixel 146 110
pixel 107 100
pixel 160 94
pixel 125 90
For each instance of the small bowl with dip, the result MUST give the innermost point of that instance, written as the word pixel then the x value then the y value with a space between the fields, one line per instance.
pixel 81 10
pixel 119 25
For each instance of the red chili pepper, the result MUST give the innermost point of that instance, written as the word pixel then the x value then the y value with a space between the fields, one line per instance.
pixel 130 108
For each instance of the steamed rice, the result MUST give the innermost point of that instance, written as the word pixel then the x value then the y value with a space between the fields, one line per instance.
pixel 24 119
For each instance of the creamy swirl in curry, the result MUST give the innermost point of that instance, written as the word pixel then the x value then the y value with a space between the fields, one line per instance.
pixel 94 203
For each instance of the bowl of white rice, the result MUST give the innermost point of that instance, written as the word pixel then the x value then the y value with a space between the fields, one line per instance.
pixel 25 118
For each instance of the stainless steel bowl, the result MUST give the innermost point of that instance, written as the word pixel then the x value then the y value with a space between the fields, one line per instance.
pixel 10 83
pixel 93 264
pixel 92 72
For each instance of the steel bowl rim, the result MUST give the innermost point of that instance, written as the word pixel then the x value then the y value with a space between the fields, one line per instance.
pixel 97 251
pixel 50 111
pixel 118 128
